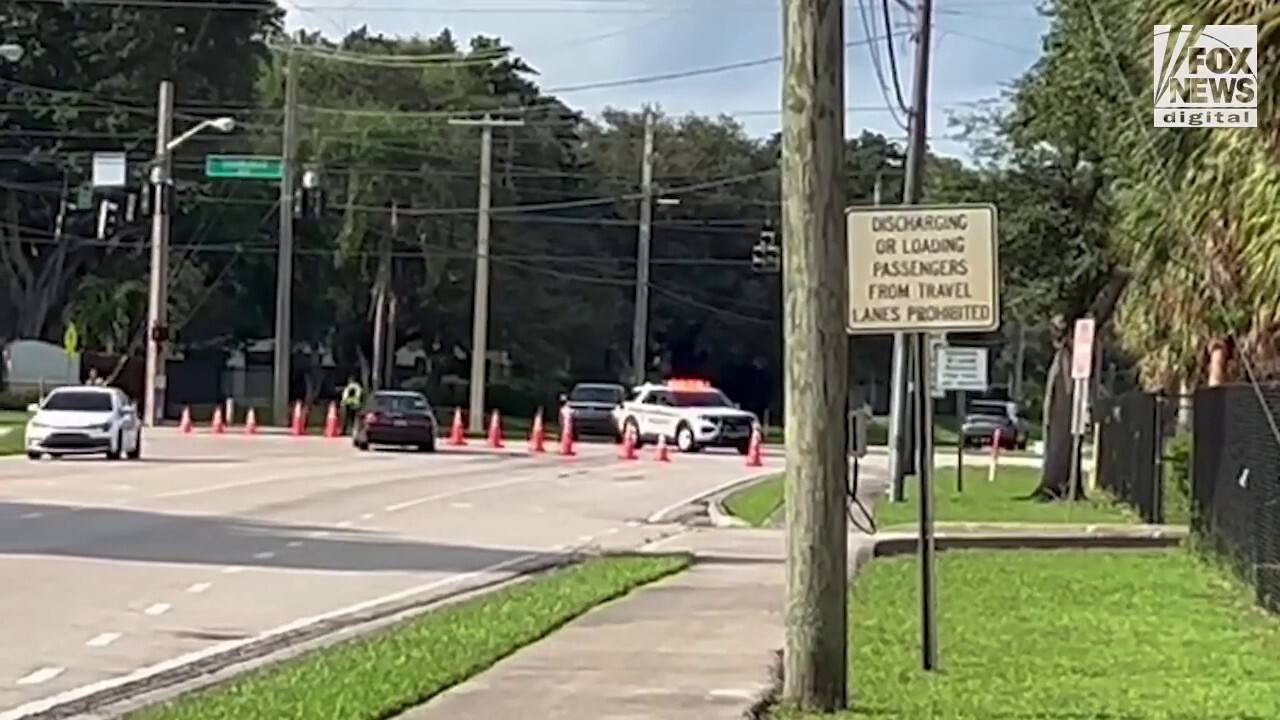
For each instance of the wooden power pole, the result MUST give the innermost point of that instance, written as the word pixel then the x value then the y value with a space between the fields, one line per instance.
pixel 815 281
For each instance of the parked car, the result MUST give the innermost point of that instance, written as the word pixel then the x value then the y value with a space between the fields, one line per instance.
pixel 592 406
pixel 980 427
pixel 398 418
pixel 1019 427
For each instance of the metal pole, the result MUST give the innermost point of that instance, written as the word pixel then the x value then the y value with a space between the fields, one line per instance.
pixel 480 313
pixel 158 295
pixel 282 360
pixel 380 307
pixel 640 324
pixel 923 405
pixel 960 401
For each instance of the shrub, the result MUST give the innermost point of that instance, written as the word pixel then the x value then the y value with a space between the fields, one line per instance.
pixel 1177 478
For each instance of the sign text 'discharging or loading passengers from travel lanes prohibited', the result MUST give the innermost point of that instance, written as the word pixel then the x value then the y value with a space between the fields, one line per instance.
pixel 923 269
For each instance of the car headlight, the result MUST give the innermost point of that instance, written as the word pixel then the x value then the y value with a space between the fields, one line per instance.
pixel 101 428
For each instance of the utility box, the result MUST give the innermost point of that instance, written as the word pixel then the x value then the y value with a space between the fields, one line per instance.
pixel 859 422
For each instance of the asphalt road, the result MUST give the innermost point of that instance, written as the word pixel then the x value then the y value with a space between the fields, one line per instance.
pixel 115 570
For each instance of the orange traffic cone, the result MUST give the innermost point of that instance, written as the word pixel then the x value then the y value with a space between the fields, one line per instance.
pixel 457 433
pixel 331 428
pixel 299 424
pixel 219 426
pixel 184 425
pixel 754 447
pixel 664 453
pixel 566 433
pixel 251 422
pixel 537 436
pixel 495 431
pixel 628 445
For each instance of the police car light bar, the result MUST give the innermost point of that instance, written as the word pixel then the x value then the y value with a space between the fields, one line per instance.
pixel 685 384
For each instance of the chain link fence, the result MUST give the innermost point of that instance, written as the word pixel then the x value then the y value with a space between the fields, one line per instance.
pixel 1236 483
pixel 1139 460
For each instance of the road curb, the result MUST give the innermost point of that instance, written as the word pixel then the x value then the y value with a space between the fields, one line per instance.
pixel 720 515
pixel 668 514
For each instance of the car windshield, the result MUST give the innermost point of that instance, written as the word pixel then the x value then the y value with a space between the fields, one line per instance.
pixel 401 403
pixel 78 401
pixel 700 398
pixel 989 408
pixel 595 393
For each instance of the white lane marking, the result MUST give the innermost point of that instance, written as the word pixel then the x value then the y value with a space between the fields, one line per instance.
pixel 31 515
pixel 320 534
pixel 612 531
pixel 367 516
pixel 293 543
pixel 264 555
pixel 157 609
pixel 455 493
pixel 103 640
pixel 312 474
pixel 345 524
pixel 233 570
pixel 44 704
pixel 461 506
pixel 197 588
pixel 44 674
pixel 585 538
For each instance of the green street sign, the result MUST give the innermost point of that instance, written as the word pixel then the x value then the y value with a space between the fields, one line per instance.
pixel 243 167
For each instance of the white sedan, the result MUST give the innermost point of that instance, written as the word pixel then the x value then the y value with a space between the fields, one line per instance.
pixel 84 420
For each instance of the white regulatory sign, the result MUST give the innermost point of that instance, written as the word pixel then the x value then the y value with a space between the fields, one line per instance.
pixel 962 368
pixel 923 269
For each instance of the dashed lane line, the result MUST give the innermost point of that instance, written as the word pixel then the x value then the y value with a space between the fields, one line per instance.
pixel 103 639
pixel 43 675
pixel 157 609
pixel 198 588
pixel 264 555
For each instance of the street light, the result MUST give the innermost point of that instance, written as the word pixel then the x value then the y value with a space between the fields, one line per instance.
pixel 11 53
pixel 158 296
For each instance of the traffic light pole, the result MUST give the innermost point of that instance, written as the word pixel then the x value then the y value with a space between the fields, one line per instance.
pixel 158 295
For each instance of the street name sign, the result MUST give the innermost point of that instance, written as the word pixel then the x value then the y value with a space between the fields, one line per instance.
pixel 244 167
pixel 962 368
pixel 923 269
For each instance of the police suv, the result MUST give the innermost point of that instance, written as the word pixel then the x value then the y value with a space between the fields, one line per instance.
pixel 690 413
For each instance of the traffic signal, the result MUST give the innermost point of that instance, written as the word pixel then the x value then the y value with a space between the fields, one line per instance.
pixel 766 253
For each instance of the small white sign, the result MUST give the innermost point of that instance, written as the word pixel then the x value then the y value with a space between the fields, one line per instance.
pixel 1082 349
pixel 110 169
pixel 962 368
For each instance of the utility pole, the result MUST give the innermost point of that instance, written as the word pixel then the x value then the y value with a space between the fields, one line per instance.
pixel 480 316
pixel 815 281
pixel 158 295
pixel 282 362
pixel 640 324
pixel 922 403
pixel 381 289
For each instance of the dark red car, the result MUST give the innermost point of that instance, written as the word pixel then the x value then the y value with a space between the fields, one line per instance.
pixel 399 418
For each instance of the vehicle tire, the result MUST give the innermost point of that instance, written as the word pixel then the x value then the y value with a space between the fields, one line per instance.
pixel 685 441
pixel 361 445
pixel 428 447
pixel 33 456
pixel 1022 445
pixel 117 451
pixel 136 452
pixel 743 447
pixel 633 427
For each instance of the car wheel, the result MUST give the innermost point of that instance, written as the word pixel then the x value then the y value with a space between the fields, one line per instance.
pixel 33 456
pixel 744 447
pixel 361 445
pixel 685 441
pixel 117 450
pixel 136 452
pixel 428 447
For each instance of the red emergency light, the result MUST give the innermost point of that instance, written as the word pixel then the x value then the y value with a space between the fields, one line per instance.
pixel 687 384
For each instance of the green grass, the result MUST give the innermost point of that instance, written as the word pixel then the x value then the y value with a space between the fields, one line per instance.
pixel 758 502
pixel 384 675
pixel 1062 636
pixel 11 442
pixel 998 502
pixel 13 417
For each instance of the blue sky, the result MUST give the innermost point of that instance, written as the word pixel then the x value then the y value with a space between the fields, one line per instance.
pixel 980 45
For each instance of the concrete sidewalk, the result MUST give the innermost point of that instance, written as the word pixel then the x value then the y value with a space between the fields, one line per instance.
pixel 696 646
